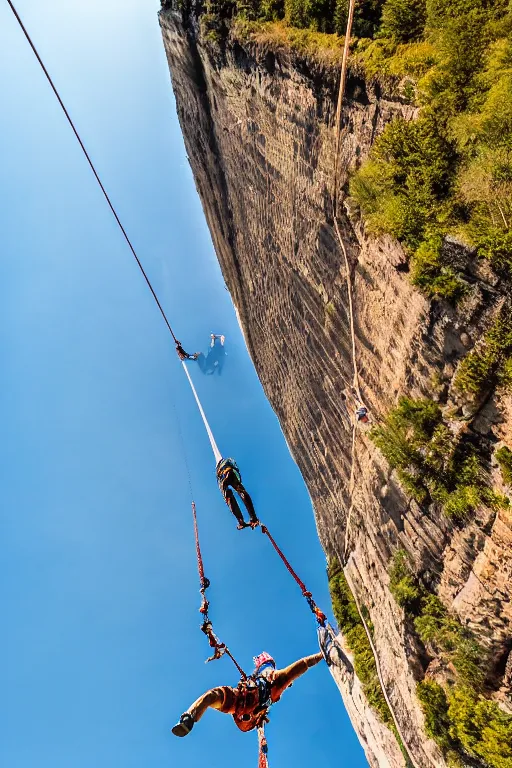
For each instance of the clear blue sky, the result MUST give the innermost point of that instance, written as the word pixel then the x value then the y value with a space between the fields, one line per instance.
pixel 101 649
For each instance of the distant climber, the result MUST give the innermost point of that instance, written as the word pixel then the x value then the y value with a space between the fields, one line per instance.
pixel 228 475
pixel 214 336
pixel 250 701
pixel 362 414
pixel 184 355
pixel 214 360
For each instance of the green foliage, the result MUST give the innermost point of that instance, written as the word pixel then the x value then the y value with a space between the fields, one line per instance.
pixel 402 583
pixel 450 170
pixel 480 727
pixel 445 634
pixel 504 458
pixel 432 464
pixel 403 20
pixel 458 719
pixel 401 190
pixel 484 366
pixel 434 704
pixel 433 275
pixel 271 10
pixel 350 624
pixel 309 13
pixel 496 246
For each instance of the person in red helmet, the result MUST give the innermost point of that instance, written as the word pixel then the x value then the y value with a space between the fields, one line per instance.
pixel 250 701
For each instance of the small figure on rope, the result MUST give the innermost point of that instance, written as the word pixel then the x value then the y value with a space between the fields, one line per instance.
pixel 250 701
pixel 228 475
pixel 214 336
pixel 184 355
pixel 362 414
pixel 214 360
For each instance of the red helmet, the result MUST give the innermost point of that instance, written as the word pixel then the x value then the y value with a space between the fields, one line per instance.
pixel 262 660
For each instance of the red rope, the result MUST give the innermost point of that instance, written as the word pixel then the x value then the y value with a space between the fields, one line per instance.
pixel 219 649
pixel 320 617
pixel 200 567
pixel 263 748
pixel 301 584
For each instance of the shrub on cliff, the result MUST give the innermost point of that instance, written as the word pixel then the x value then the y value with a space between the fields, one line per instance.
pixel 451 169
pixel 403 191
pixel 403 20
pixel 444 633
pixel 434 704
pixel 402 584
pixel 504 458
pixel 487 364
pixel 433 275
pixel 431 463
pixel 480 726
pixel 458 719
pixel 350 625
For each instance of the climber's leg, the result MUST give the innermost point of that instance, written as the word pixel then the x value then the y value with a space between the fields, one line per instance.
pixel 232 503
pixel 239 488
pixel 222 699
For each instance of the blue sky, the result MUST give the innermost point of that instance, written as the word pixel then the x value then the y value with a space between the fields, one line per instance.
pixel 101 645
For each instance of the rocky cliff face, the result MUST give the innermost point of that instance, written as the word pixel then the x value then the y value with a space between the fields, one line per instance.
pixel 258 127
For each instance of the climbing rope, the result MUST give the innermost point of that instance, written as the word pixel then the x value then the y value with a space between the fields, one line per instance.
pixel 320 617
pixel 219 648
pixel 263 748
pixel 91 164
pixel 357 389
pixel 377 665
pixel 114 213
pixel 213 444
pixel 341 93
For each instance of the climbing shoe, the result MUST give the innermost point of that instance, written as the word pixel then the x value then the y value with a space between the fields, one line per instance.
pixel 254 523
pixel 184 726
pixel 242 525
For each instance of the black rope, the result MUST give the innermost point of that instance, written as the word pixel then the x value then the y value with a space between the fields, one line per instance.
pixel 93 169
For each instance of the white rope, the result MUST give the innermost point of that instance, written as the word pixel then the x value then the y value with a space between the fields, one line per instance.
pixel 215 449
pixel 377 665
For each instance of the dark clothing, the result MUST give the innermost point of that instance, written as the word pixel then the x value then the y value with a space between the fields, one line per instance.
pixel 184 355
pixel 228 476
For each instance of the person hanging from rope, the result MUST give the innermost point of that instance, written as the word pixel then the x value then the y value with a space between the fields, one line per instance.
pixel 184 355
pixel 214 336
pixel 214 361
pixel 228 475
pixel 250 701
pixel 362 414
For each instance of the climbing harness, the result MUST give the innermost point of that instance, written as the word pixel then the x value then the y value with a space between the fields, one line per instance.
pixel 219 648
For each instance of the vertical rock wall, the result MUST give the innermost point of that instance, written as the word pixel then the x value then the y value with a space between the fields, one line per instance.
pixel 257 124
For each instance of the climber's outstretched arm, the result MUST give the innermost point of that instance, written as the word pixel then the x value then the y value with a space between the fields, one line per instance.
pixel 285 677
